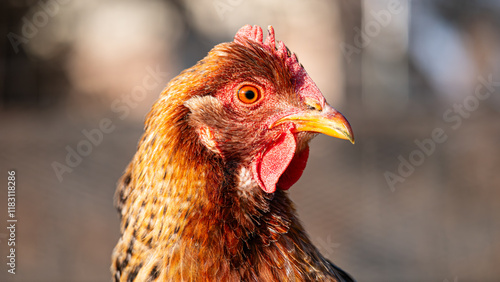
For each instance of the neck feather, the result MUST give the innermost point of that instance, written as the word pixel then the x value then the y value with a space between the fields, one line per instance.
pixel 181 203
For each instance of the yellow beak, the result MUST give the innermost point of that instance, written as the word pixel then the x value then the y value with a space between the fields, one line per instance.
pixel 327 121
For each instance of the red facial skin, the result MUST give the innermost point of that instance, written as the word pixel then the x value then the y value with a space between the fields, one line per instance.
pixel 280 165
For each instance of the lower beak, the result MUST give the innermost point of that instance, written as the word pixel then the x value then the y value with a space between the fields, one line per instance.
pixel 327 121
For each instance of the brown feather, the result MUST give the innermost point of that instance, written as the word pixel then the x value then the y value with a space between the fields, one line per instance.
pixel 187 212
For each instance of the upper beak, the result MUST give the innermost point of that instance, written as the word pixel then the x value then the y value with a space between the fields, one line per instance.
pixel 327 121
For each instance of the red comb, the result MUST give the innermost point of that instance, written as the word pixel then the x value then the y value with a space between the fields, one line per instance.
pixel 304 84
pixel 254 33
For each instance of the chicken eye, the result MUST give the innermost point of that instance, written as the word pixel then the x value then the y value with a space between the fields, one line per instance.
pixel 248 94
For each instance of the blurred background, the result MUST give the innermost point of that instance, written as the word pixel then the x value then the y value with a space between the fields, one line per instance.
pixel 415 199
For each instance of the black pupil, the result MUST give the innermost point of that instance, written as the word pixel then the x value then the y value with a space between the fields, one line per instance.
pixel 249 94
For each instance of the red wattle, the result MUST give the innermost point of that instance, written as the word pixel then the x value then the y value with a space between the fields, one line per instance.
pixel 294 170
pixel 279 166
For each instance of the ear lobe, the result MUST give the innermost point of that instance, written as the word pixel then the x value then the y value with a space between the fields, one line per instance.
pixel 207 137
pixel 196 103
pixel 199 107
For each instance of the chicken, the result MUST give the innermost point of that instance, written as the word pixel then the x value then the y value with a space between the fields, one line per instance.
pixel 204 198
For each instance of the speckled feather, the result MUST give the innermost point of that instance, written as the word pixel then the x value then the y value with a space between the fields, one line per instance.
pixel 190 207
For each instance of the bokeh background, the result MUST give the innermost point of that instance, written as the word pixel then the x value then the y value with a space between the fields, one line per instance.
pixel 384 209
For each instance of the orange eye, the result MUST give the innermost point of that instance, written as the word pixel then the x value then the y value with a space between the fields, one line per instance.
pixel 248 94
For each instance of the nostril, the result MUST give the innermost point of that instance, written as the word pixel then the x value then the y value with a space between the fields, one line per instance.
pixel 313 105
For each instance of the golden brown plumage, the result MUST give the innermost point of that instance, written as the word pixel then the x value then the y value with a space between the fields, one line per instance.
pixel 203 198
